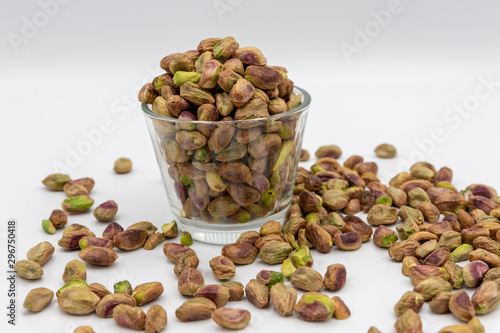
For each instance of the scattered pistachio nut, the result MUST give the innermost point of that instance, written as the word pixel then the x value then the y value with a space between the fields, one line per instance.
pixel 235 319
pixel 37 299
pixel 28 269
pixel 41 253
pixel 156 319
pixel 129 316
pixel 106 211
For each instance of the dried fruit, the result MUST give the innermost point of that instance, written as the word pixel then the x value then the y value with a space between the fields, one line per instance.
pixel 385 150
pixel 75 269
pixel 156 319
pixel 257 293
pixel 77 300
pixel 147 292
pixel 106 305
pixel 56 182
pixel 217 293
pixel 190 281
pixel 78 204
pixel 37 299
pixel 240 253
pixel 129 316
pixel 486 298
pixel 99 256
pixel 235 319
pixel 409 300
pixel 307 279
pixel 41 253
pixel 314 306
pixel 223 268
pixel 335 277
pixel 28 269
pixel 198 308
pixel 123 287
pixel 461 305
pixel 130 239
pixel 106 211
pixel 283 299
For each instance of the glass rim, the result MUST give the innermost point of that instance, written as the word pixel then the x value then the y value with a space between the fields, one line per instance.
pixel 306 101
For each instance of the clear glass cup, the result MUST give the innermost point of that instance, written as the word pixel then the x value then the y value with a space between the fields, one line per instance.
pixel 217 194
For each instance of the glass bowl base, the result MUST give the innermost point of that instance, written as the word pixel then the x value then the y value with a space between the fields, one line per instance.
pixel 224 233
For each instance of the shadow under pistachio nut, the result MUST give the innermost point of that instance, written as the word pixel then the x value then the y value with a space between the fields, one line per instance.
pixel 156 319
pixel 37 299
pixel 106 211
pixel 77 205
pixel 384 236
pixel 222 268
pixel 130 239
pixel 409 321
pixel 236 290
pixel 129 316
pixel 198 308
pixel 314 306
pixel 349 241
pixel 41 253
pixel 217 293
pixel 56 182
pixel 231 318
pixel 77 300
pixel 486 298
pixel 105 307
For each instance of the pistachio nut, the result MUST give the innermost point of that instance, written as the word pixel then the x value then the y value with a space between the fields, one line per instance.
pixel 198 308
pixel 41 253
pixel 37 299
pixel 215 292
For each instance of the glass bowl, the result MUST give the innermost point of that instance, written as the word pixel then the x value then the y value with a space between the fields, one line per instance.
pixel 223 178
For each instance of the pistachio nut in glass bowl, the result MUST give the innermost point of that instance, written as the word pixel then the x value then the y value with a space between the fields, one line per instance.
pixel 228 148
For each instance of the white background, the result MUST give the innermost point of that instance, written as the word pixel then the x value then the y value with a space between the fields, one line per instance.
pixel 81 67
